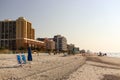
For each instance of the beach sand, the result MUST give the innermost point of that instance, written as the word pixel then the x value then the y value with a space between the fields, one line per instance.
pixel 58 67
pixel 43 67
pixel 98 68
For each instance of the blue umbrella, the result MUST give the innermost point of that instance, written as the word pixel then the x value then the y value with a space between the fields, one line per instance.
pixel 29 54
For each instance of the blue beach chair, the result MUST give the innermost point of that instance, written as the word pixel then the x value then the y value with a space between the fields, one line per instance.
pixel 23 58
pixel 19 59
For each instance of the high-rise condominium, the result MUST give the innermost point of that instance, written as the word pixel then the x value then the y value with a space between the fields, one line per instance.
pixel 15 34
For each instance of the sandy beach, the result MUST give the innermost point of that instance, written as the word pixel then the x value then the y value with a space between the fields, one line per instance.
pixel 43 67
pixel 98 68
pixel 58 67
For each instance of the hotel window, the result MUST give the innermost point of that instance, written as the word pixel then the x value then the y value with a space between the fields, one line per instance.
pixel 14 30
pixel 6 24
pixel 6 43
pixel 2 36
pixel 2 29
pixel 14 43
pixel 14 35
pixel 6 36
pixel 2 43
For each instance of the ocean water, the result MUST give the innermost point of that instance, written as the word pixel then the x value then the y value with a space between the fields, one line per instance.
pixel 113 55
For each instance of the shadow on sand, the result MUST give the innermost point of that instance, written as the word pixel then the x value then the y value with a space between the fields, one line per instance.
pixel 11 66
pixel 111 77
pixel 96 59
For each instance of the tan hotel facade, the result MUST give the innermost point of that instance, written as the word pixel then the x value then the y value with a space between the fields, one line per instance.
pixel 16 34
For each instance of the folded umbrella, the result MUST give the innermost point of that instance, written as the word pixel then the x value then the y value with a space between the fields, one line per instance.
pixel 29 54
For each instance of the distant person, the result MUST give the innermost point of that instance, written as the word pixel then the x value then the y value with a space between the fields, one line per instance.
pixel 100 54
pixel 105 54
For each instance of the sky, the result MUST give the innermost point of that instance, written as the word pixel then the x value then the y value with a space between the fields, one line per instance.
pixel 89 24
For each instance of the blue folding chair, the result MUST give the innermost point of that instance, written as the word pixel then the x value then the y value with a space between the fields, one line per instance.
pixel 19 59
pixel 23 58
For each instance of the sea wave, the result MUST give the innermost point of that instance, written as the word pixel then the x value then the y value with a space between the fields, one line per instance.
pixel 113 54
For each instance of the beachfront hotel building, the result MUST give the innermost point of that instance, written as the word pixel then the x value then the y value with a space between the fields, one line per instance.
pixel 49 44
pixel 60 43
pixel 16 34
pixel 72 49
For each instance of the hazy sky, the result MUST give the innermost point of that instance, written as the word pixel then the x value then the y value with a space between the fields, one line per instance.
pixel 89 24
